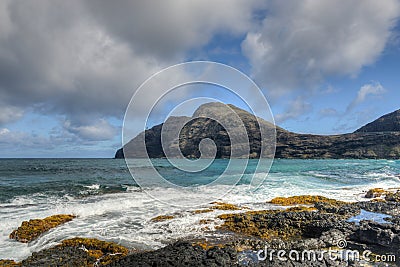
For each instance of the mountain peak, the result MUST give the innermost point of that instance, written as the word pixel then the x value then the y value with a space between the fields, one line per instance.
pixel 212 109
pixel 387 123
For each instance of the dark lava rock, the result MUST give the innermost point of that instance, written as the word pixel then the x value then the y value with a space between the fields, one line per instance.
pixel 385 235
pixel 389 208
pixel 346 210
pixel 381 239
pixel 56 256
pixel 395 197
pixel 185 254
pixel 287 225
pixel 181 254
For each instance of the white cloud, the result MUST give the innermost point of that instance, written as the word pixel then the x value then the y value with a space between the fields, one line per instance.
pixel 165 29
pixel 86 58
pixel 20 141
pixel 4 131
pixel 295 109
pixel 300 43
pixel 9 114
pixel 366 90
pixel 98 131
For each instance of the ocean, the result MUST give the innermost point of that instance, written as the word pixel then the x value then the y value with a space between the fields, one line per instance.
pixel 110 206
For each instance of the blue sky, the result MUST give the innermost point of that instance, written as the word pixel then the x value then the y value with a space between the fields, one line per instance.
pixel 69 68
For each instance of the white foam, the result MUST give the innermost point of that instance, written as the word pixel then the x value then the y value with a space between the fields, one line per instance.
pixel 125 217
pixel 93 186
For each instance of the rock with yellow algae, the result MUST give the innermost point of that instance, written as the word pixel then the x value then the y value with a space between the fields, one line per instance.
pixel 206 245
pixel 294 223
pixel 394 197
pixel 375 192
pixel 224 206
pixel 205 221
pixel 32 229
pixel 9 263
pixel 83 252
pixel 201 211
pixel 300 209
pixel 103 251
pixel 161 218
pixel 253 223
pixel 304 199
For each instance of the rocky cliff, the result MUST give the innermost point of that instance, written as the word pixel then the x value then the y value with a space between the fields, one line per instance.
pixel 378 139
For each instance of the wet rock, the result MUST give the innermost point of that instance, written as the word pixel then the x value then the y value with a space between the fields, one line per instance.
pixel 285 225
pixel 332 237
pixel 385 235
pixel 346 210
pixel 304 199
pixel 9 263
pixel 201 211
pixel 389 208
pixel 375 192
pixel 32 229
pixel 161 218
pixel 181 254
pixel 224 206
pixel 77 252
pixel 60 256
pixel 395 197
pixel 393 219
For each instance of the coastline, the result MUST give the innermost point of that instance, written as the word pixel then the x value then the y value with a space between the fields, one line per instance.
pixel 298 223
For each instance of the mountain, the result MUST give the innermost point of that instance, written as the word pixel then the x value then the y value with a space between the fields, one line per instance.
pixel 367 142
pixel 387 123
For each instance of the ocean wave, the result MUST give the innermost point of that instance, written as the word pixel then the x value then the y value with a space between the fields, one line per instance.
pixel 110 206
pixel 93 186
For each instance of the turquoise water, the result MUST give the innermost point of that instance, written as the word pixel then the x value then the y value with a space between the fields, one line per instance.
pixel 111 206
pixel 82 177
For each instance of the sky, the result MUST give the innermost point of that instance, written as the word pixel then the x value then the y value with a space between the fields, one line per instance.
pixel 69 68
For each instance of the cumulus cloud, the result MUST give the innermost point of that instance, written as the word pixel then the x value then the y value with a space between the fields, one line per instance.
pixel 60 143
pixel 366 90
pixel 84 59
pixel 17 140
pixel 300 43
pixel 165 29
pixel 98 131
pixel 70 65
pixel 295 109
pixel 9 114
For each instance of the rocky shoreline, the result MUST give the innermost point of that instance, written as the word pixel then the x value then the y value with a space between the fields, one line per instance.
pixel 332 231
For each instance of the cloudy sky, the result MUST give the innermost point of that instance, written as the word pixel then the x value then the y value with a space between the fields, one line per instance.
pixel 69 68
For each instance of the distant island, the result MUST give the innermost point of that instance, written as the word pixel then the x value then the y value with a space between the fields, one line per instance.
pixel 379 139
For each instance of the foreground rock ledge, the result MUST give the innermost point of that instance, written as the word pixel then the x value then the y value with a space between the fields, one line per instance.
pixel 312 223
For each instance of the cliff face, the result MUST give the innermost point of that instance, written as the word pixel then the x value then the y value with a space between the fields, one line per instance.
pixel 361 144
pixel 379 145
